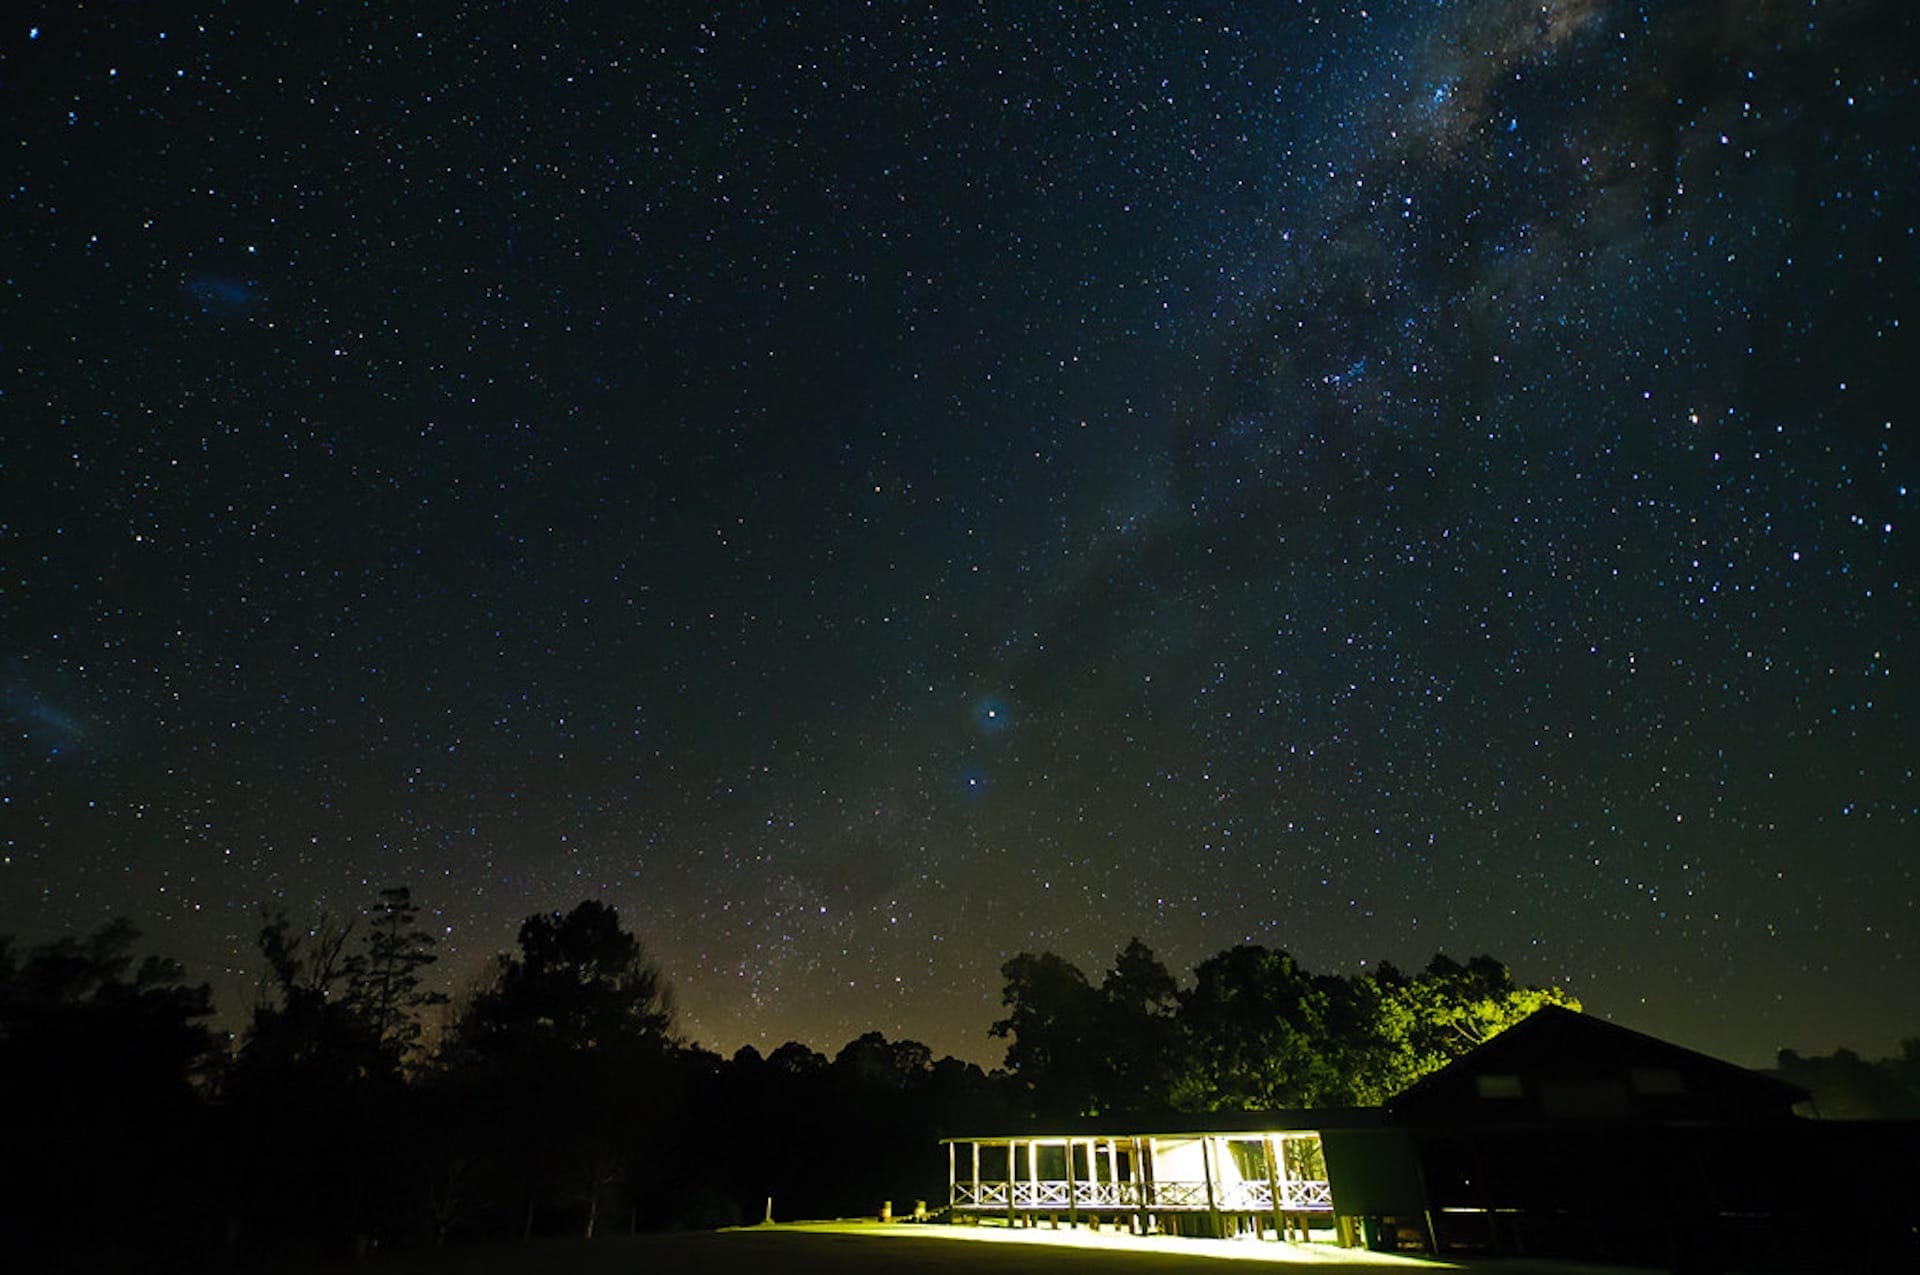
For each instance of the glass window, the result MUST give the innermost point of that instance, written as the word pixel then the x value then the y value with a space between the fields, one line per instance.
pixel 1498 1085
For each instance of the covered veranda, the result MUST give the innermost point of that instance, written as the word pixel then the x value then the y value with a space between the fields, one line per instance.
pixel 1255 1174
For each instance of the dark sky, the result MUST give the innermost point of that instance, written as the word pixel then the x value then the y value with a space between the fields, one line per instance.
pixel 869 489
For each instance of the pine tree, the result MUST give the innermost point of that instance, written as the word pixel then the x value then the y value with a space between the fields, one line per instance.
pixel 384 986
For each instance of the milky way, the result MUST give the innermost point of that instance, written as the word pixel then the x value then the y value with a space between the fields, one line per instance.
pixel 869 494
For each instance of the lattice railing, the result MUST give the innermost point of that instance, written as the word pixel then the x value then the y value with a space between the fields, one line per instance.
pixel 1112 1195
pixel 1044 1194
pixel 1307 1197
pixel 1229 1197
pixel 989 1195
pixel 1255 1196
pixel 1177 1195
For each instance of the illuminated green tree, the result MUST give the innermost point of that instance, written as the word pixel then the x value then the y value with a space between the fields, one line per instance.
pixel 1256 1031
pixel 1420 1024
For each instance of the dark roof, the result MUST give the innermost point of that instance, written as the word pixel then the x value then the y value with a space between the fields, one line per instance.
pixel 1559 1044
pixel 1186 1123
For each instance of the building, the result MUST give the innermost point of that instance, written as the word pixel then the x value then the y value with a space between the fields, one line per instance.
pixel 1226 1173
pixel 1565 1135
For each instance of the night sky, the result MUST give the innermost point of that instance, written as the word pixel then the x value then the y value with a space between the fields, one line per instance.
pixel 869 489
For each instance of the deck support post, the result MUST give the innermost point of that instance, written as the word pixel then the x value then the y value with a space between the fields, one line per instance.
pixel 1206 1167
pixel 1013 1219
pixel 1144 1154
pixel 1073 1208
pixel 1275 1171
pixel 1033 1172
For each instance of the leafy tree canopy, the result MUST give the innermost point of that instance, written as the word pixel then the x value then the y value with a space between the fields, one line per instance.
pixel 77 1007
pixel 579 983
pixel 1255 1030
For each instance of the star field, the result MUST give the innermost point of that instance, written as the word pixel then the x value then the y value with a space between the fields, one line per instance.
pixel 869 492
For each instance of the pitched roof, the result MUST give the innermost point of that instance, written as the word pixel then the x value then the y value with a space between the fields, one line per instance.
pixel 1187 1124
pixel 1555 1043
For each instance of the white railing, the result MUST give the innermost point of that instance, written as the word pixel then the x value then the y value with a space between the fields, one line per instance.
pixel 989 1195
pixel 1307 1197
pixel 1245 1197
pixel 1043 1194
pixel 1177 1195
pixel 1296 1196
pixel 1095 1195
pixel 1048 1193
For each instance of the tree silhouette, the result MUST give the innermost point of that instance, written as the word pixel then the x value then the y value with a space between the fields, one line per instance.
pixel 1085 1050
pixel 327 1132
pixel 1256 1025
pixel 579 983
pixel 304 1020
pixel 1846 1086
pixel 1050 1027
pixel 573 1043
pixel 384 985
pixel 1256 1031
pixel 1138 1031
pixel 100 1062
pixel 560 1098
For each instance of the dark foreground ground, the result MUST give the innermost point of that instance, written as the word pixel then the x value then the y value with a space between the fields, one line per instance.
pixel 855 1249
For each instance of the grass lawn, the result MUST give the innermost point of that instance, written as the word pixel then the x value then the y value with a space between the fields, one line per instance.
pixel 830 1248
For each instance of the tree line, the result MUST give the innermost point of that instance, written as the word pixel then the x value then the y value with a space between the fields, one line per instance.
pixel 1846 1086
pixel 1255 1031
pixel 558 1096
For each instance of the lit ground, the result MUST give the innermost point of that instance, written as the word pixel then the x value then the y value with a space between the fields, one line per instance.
pixel 866 1248
pixel 988 1246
